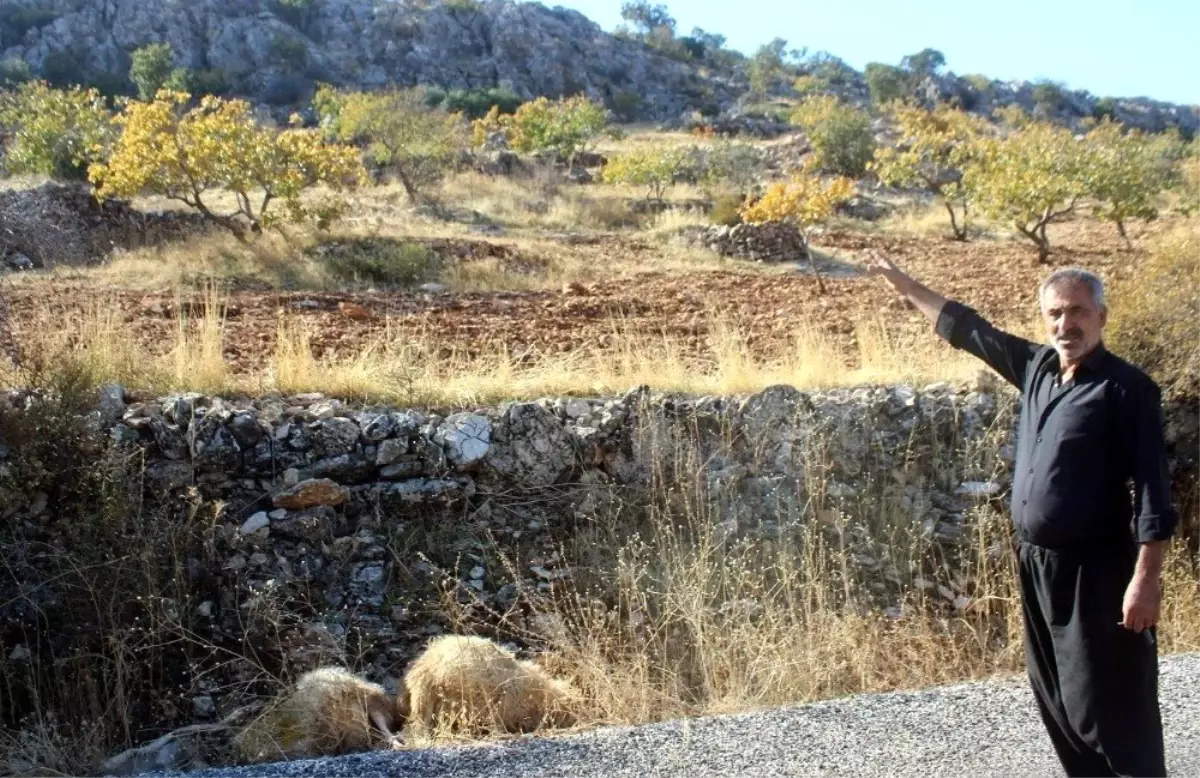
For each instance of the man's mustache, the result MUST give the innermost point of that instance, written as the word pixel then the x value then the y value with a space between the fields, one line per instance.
pixel 1074 332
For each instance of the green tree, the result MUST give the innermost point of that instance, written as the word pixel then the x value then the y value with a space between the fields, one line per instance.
pixel 398 131
pixel 565 126
pixel 840 134
pixel 926 62
pixel 1030 178
pixel 654 167
pixel 933 150
pixel 1048 96
pixel 1128 171
pixel 54 132
pixel 765 66
pixel 886 83
pixel 652 22
pixel 150 69
pixel 187 154
pixel 729 164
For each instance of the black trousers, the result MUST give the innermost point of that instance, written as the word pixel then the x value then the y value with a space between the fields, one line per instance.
pixel 1095 682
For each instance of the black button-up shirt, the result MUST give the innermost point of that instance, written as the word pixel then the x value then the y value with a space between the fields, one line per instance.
pixel 1079 443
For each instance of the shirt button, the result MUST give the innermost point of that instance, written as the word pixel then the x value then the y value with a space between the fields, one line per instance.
pixel 1031 470
pixel 1024 502
pixel 1039 438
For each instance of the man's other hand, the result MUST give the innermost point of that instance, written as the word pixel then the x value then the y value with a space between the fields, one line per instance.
pixel 1141 605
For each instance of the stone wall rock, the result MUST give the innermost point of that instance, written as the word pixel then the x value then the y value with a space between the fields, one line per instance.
pixel 767 242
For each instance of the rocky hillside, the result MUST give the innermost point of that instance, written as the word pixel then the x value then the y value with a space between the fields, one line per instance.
pixel 275 50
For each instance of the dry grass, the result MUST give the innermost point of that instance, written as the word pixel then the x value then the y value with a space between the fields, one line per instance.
pixel 929 219
pixel 678 608
pixel 409 365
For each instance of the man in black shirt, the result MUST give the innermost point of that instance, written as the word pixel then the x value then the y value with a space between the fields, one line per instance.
pixel 1090 553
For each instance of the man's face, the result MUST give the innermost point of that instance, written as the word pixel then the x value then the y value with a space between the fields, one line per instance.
pixel 1073 320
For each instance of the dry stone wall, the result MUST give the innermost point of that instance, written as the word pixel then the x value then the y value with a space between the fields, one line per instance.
pixel 331 523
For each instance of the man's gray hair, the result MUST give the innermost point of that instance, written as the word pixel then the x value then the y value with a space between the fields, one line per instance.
pixel 1076 275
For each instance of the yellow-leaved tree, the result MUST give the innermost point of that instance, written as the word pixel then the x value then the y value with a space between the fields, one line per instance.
pixel 193 154
pixel 397 130
pixel 1030 178
pixel 933 150
pixel 805 200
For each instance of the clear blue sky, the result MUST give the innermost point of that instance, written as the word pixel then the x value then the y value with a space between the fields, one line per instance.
pixel 1118 48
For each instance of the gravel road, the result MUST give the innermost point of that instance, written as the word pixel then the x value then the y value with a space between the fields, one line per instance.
pixel 987 728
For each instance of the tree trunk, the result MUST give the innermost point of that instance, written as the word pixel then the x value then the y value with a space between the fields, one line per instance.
pixel 409 189
pixel 812 262
pixel 1124 236
pixel 1037 234
pixel 1043 244
pixel 960 233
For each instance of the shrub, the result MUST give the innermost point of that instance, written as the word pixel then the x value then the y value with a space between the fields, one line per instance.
pixel 380 261
pixel 1106 108
pixel 1155 319
pixel 294 12
pixel 806 86
pixel 55 132
pixel 397 130
pixel 475 103
pixel 62 69
pixel 14 71
pixel 654 167
pixel 840 135
pixel 980 83
pixel 726 210
pixel 934 149
pixel 198 82
pixel 150 69
pixel 184 154
pixel 289 52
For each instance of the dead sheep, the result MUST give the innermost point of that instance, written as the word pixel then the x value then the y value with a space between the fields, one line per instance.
pixel 338 712
pixel 473 684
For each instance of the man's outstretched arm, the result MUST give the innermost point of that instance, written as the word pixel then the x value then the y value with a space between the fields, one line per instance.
pixel 927 301
pixel 1007 354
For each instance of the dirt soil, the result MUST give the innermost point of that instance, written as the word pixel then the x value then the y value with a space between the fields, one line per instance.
pixel 999 277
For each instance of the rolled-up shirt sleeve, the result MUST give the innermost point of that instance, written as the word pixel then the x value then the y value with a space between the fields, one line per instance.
pixel 1154 518
pixel 964 329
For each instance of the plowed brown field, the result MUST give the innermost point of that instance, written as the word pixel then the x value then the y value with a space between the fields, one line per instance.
pixel 767 304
